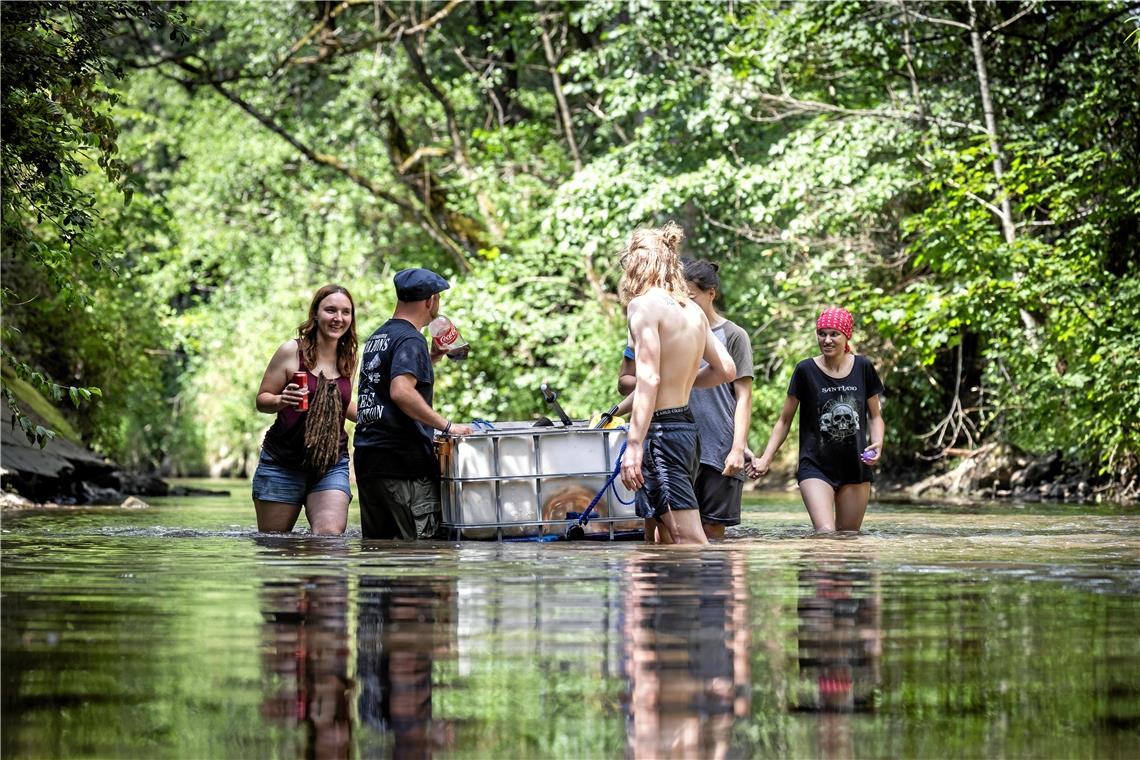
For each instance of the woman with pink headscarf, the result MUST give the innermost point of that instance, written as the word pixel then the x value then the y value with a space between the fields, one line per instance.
pixel 841 428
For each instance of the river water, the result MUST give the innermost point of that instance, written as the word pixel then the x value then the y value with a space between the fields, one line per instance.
pixel 177 631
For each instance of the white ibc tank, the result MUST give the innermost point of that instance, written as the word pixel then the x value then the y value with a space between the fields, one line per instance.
pixel 518 480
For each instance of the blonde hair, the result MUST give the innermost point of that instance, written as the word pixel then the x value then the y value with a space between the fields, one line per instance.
pixel 651 260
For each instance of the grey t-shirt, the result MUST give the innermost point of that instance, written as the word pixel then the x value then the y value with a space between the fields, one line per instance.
pixel 714 408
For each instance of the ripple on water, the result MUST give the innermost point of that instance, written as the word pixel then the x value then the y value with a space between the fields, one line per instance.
pixel 926 631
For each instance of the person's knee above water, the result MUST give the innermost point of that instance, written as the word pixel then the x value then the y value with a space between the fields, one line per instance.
pixel 841 427
pixel 670 336
pixel 304 457
pixel 722 412
pixel 397 472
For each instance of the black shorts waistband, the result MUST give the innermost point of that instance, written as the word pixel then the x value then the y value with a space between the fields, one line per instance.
pixel 674 414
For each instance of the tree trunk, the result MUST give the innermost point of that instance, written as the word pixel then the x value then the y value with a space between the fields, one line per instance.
pixel 458 145
pixel 1009 231
pixel 560 97
pixel 1007 227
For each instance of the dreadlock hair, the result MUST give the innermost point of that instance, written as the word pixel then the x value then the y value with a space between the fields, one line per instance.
pixel 345 347
pixel 323 425
pixel 650 260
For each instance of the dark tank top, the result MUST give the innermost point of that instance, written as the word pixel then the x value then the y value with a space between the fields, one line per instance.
pixel 285 440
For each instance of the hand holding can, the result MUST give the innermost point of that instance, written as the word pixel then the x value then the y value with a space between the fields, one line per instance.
pixel 301 380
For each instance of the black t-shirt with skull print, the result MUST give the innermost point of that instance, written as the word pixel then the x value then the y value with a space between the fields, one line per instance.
pixel 833 420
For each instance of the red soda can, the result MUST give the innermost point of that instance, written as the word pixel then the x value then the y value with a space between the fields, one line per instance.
pixel 301 379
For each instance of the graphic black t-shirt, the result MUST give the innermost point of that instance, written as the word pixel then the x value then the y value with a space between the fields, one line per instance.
pixel 389 443
pixel 833 420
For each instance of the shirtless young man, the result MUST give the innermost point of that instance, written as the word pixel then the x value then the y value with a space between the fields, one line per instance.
pixel 670 335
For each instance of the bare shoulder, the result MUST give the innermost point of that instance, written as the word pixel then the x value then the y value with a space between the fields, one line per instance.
pixel 285 352
pixel 289 346
pixel 645 303
pixel 644 311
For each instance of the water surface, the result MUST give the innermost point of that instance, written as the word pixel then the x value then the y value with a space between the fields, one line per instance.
pixel 178 631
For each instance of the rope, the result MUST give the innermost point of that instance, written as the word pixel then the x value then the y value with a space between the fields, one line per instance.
pixel 482 423
pixel 585 516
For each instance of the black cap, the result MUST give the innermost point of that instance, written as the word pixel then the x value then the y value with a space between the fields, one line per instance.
pixel 418 284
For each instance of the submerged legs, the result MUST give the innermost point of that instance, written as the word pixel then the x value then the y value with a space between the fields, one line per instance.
pixel 832 509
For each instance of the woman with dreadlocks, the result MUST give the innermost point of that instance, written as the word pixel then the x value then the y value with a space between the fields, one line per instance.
pixel 304 457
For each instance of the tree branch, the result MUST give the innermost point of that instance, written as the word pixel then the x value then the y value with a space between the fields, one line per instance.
pixel 458 146
pixel 443 12
pixel 560 97
pixel 424 221
pixel 911 72
pixel 393 32
pixel 942 21
pixel 1028 9
pixel 488 91
pixel 815 106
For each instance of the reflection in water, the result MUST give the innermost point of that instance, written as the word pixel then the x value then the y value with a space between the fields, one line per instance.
pixel 140 634
pixel 840 643
pixel 305 651
pixel 687 645
pixel 405 625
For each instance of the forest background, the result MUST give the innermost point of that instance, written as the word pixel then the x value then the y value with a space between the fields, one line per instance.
pixel 179 178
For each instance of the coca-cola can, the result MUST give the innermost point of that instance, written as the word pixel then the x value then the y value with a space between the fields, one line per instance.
pixel 301 380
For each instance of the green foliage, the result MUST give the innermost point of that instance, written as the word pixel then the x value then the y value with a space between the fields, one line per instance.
pixel 57 124
pixel 821 153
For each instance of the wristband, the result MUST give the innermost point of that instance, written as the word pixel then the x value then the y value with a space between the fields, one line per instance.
pixel 447 427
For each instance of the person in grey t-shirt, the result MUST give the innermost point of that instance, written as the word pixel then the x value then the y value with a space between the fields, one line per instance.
pixel 722 412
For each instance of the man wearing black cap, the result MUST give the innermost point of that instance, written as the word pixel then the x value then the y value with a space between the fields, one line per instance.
pixel 396 470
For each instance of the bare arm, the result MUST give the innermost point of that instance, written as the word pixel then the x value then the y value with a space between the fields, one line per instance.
pixel 627 381
pixel 627 376
pixel 625 406
pixel 741 418
pixel 277 390
pixel 402 389
pixel 877 427
pixel 719 368
pixel 778 436
pixel 647 349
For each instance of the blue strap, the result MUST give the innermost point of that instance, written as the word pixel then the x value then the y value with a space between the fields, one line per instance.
pixel 482 423
pixel 585 517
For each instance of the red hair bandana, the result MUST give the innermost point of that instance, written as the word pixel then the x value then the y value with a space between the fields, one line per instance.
pixel 839 319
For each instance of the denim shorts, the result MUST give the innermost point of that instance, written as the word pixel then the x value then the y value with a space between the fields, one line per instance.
pixel 273 481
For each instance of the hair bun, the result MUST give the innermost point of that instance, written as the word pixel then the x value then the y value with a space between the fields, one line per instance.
pixel 672 235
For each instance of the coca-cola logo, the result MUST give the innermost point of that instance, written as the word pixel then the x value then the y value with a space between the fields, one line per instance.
pixel 448 336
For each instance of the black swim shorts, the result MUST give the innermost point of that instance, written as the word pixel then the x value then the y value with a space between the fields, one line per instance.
pixel 671 456
pixel 719 496
pixel 808 469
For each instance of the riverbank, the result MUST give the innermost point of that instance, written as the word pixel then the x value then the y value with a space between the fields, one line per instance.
pixel 66 473
pixel 995 472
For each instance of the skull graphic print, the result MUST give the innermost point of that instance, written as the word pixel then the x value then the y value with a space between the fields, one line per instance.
pixel 839 418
